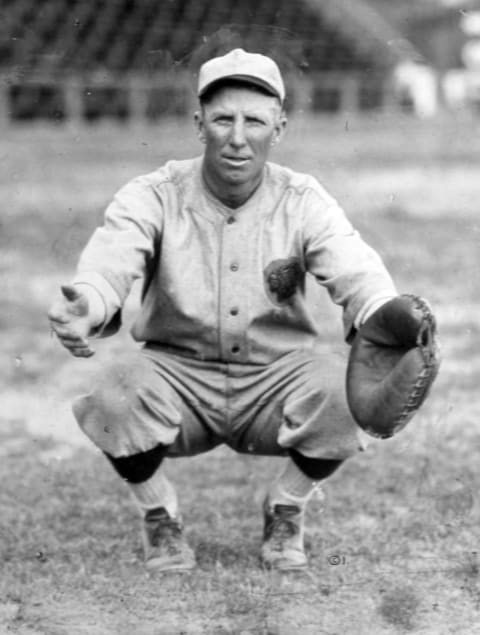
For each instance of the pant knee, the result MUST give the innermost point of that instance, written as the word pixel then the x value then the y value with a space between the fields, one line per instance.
pixel 139 467
pixel 128 411
pixel 116 389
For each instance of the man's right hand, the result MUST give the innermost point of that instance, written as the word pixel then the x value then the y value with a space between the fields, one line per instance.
pixel 70 320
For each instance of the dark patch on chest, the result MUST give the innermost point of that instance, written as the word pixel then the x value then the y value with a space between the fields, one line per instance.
pixel 282 278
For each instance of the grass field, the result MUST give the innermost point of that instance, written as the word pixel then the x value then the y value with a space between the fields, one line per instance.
pixel 394 547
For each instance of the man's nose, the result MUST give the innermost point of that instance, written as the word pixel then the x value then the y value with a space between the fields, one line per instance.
pixel 237 135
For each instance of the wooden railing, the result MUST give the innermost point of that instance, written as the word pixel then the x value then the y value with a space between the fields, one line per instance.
pixel 142 99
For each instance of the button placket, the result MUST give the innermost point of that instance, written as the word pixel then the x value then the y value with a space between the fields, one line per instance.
pixel 232 327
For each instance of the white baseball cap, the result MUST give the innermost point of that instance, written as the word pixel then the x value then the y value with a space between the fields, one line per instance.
pixel 252 68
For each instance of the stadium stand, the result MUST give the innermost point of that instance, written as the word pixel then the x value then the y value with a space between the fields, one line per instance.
pixel 136 59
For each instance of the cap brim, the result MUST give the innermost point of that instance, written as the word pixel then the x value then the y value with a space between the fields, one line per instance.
pixel 241 79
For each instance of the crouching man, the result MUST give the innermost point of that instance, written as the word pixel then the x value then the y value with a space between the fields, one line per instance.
pixel 230 352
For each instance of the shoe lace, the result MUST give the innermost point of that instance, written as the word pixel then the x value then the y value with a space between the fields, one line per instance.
pixel 281 526
pixel 164 531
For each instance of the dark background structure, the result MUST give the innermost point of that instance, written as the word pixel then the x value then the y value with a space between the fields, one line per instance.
pixel 89 59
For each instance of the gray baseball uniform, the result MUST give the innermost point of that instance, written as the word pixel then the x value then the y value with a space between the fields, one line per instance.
pixel 224 316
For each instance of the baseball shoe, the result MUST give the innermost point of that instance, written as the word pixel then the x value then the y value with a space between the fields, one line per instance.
pixel 164 544
pixel 282 547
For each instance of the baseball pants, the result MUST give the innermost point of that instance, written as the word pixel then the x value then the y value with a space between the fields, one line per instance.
pixel 155 397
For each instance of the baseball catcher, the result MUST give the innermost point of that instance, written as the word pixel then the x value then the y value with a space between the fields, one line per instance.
pixel 230 350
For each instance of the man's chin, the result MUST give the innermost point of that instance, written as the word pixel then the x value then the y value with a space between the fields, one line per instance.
pixel 236 177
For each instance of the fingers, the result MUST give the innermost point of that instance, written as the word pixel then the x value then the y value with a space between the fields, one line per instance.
pixel 82 352
pixel 72 342
pixel 69 321
pixel 57 317
pixel 77 346
pixel 64 330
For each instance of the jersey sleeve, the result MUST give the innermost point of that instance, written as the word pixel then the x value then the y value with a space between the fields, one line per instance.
pixel 123 249
pixel 334 252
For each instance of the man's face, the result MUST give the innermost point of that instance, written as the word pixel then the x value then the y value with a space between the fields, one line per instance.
pixel 238 126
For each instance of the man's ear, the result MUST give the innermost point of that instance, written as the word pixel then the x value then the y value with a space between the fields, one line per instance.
pixel 198 119
pixel 280 128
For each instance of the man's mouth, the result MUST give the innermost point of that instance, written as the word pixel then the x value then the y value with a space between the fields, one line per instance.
pixel 233 160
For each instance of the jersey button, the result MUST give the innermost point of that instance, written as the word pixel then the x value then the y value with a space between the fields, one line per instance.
pixel 230 220
pixel 234 310
pixel 235 349
pixel 234 266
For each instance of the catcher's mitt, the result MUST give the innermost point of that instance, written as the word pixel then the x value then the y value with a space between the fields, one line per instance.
pixel 392 364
